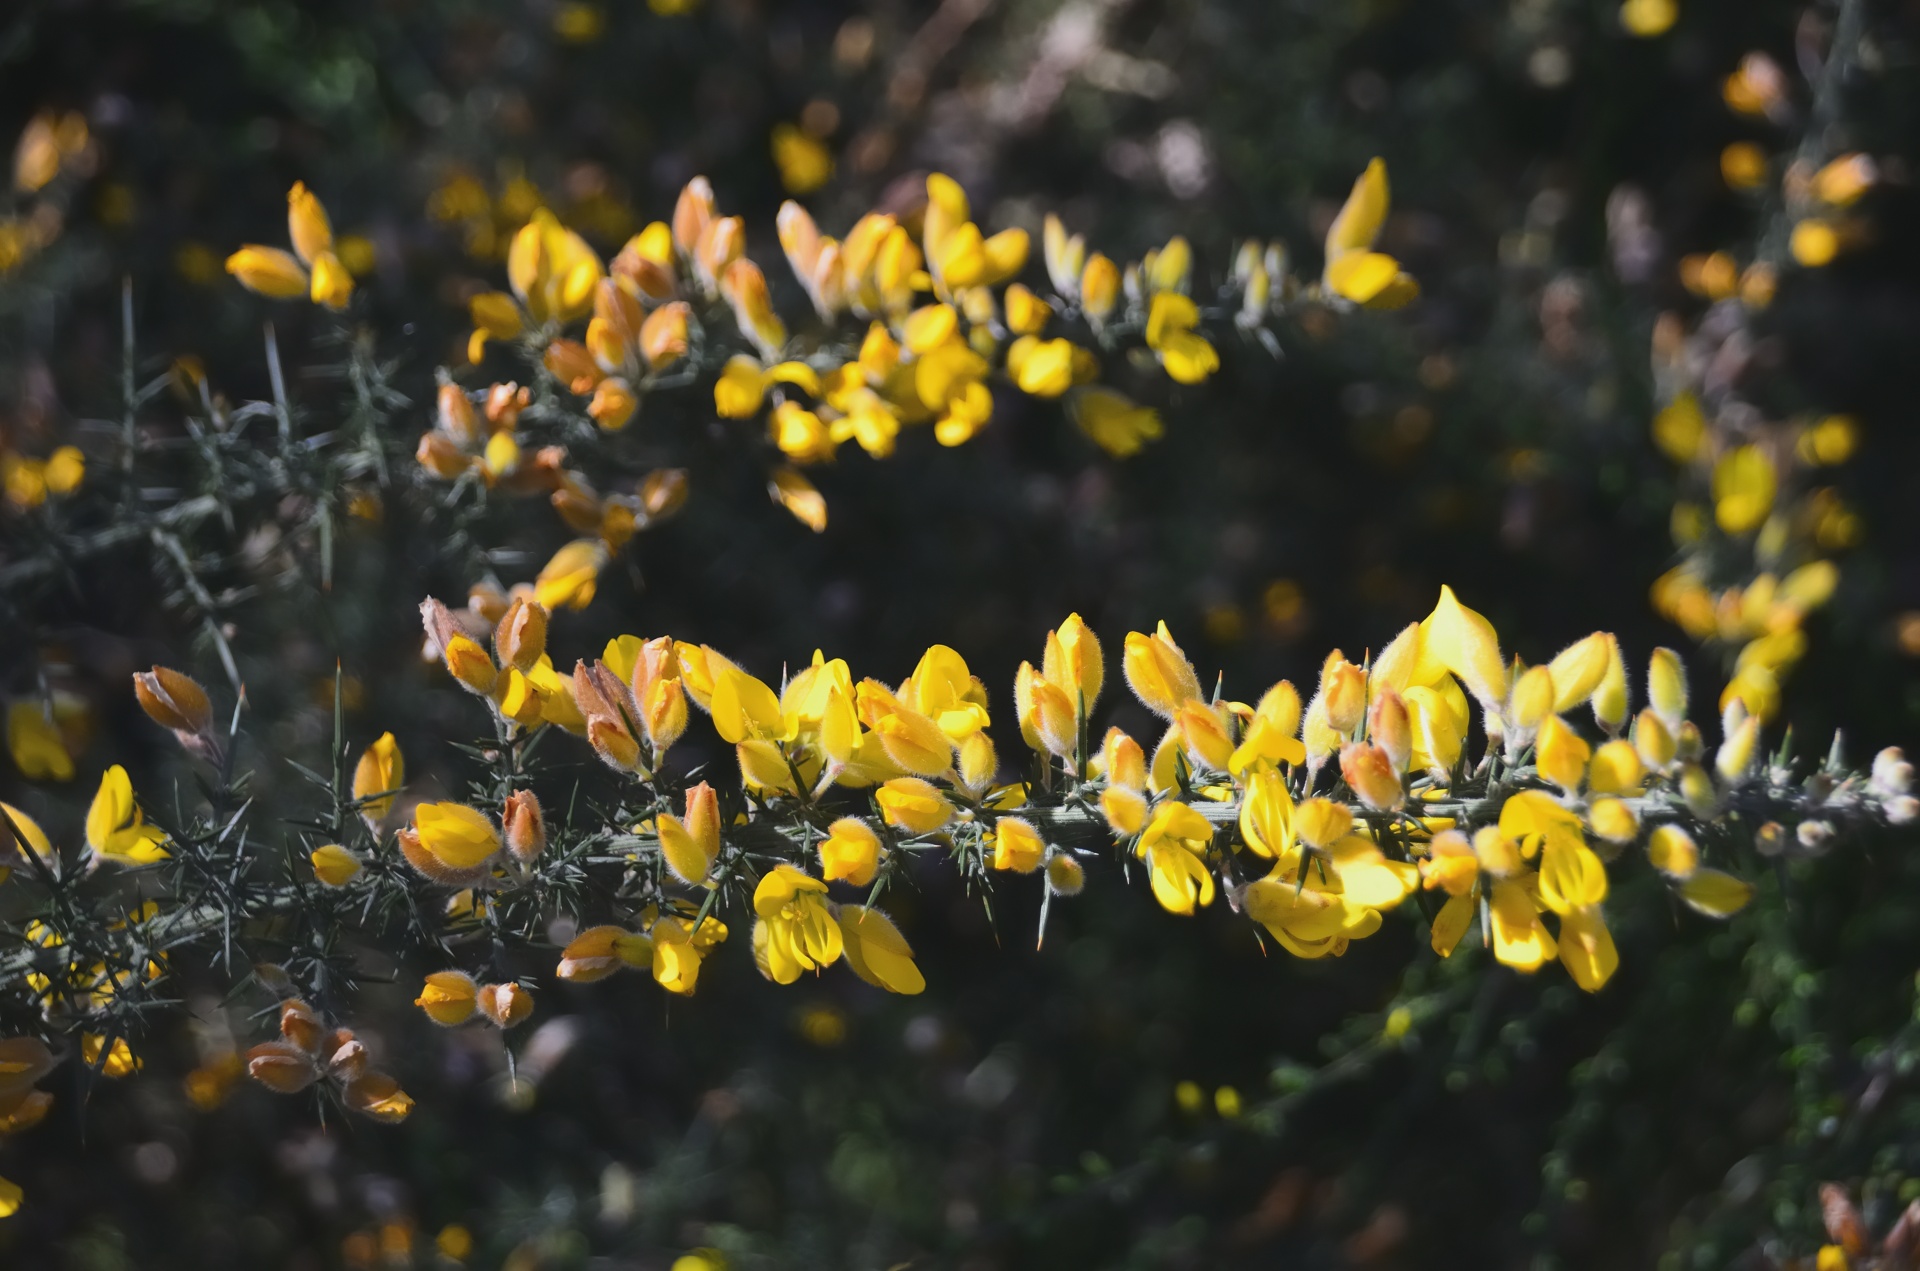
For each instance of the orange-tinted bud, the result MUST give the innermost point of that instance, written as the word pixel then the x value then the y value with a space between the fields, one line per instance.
pixel 439 454
pixel 505 1005
pixel 299 1025
pixel 173 700
pixel 1345 688
pixel 521 637
pixel 525 827
pixel 571 364
pixel 378 1096
pixel 282 1067
pixel 1389 728
pixel 1372 774
pixel 663 337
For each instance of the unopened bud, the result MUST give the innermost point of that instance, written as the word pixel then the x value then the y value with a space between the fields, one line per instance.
pixel 448 998
pixel 1652 740
pixel 1065 875
pixel 1372 775
pixel 1696 787
pixel 282 1067
pixel 456 419
pixel 504 1005
pixel 1770 839
pixel 521 637
pixel 525 828
pixel 174 700
pixel 1389 728
pixel 1736 753
pixel 1815 836
pixel 1892 774
pixel 1672 851
pixel 1667 686
pixel 1345 686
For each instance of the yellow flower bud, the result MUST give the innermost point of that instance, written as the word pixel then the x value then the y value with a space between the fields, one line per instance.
pixel 1344 688
pixel 1017 845
pixel 1615 769
pixel 613 404
pixel 1696 787
pixel 1654 744
pixel 1204 731
pixel 1667 686
pixel 332 284
pixel 1531 701
pixel 1125 809
pixel 1159 673
pixel 1613 820
pixel 1561 754
pixel 850 853
pixel 1099 288
pixel 598 952
pixel 877 952
pixel 914 805
pixel 1065 875
pixel 307 223
pixel 1672 851
pixel 1736 753
pixel 449 998
pixel 1027 313
pixel 334 865
pixel 1074 662
pixel 1267 814
pixel 1577 671
pixel 455 835
pixel 380 771
pixel 1390 728
pixel 521 636
pixel 1124 761
pixel 1322 822
pixel 568 579
pixel 690 847
pixel 268 271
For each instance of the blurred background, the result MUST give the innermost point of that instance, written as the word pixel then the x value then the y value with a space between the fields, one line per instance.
pixel 1143 1092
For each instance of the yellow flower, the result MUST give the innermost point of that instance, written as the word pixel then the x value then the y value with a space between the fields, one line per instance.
pixel 1017 845
pixel 1457 639
pixel 568 579
pixel 455 835
pixel 690 847
pixel 269 271
pixel 1187 357
pixel 1322 822
pixel 35 743
pixel 1303 907
pixel 449 998
pixel 910 739
pixel 273 272
pixel 334 865
pixel 1099 289
pixel 116 1061
pixel 29 835
pixel 1174 845
pixel 1266 814
pixel 378 1096
pixel 1680 428
pixel 10 1198
pixel 552 270
pixel 877 952
pixel 380 772
pixel 1354 271
pixel 1814 242
pixel 794 930
pixel 1116 423
pixel 679 951
pixel 914 805
pixel 116 830
pixel 851 851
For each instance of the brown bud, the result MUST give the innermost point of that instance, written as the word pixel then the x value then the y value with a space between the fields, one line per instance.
pixel 572 365
pixel 521 637
pixel 663 492
pixel 577 505
pixel 607 704
pixel 345 1055
pixel 505 1005
pixel 504 404
pixel 173 700
pixel 1842 1219
pixel 526 827
pixel 378 1096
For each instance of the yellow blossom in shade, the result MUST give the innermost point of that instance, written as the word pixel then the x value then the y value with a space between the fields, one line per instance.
pixel 794 930
pixel 1174 845
pixel 797 495
pixel 598 952
pixel 877 952
pixel 1680 428
pixel 1562 754
pixel 116 830
pixel 913 805
pixel 1115 422
pixel 568 579
pixel 850 853
pixel 1646 19
pixel 679 951
pixel 116 1061
pixel 449 998
pixel 455 835
pixel 380 772
pixel 1744 483
pixel 268 271
pixel 334 865
pixel 552 270
pixel 1354 271
pixel 1017 845
pixel 18 831
pixel 379 1096
pixel 1187 357
pixel 1814 242
pixel 35 743
pixel 804 161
